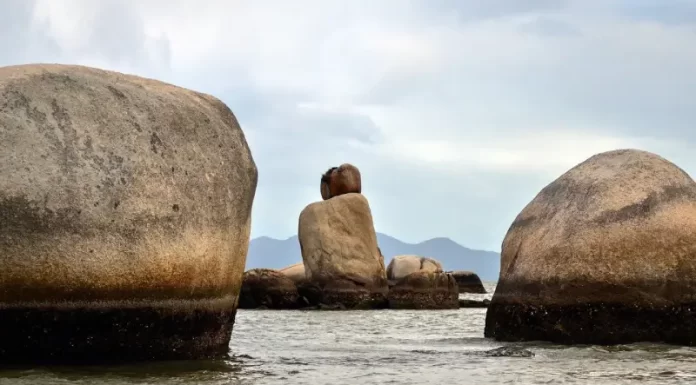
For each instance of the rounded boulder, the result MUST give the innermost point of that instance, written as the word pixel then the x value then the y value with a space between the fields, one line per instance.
pixel 340 180
pixel 605 254
pixel 469 282
pixel 125 208
pixel 403 265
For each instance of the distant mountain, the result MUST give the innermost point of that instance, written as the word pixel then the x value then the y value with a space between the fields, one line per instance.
pixel 276 253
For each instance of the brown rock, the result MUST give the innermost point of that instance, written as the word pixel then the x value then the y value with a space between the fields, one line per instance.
pixel 340 180
pixel 295 272
pixel 125 208
pixel 469 282
pixel 268 288
pixel 403 265
pixel 605 254
pixel 339 249
pixel 424 290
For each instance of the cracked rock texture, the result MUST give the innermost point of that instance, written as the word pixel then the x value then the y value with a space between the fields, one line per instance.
pixel 125 208
pixel 606 253
pixel 340 253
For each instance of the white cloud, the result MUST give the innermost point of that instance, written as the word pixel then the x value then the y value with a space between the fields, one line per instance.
pixel 478 103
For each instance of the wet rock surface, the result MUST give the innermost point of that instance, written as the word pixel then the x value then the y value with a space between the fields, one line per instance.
pixel 509 351
pixel 474 303
pixel 424 290
pixel 269 289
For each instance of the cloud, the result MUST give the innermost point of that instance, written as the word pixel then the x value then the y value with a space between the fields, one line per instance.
pixel 457 112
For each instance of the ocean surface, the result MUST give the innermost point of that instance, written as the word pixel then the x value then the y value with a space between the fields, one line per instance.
pixel 386 347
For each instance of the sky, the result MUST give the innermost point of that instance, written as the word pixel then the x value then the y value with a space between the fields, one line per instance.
pixel 457 112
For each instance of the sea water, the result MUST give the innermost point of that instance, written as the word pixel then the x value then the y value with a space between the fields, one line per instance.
pixel 386 347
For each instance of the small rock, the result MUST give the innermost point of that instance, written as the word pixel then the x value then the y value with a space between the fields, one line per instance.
pixel 509 351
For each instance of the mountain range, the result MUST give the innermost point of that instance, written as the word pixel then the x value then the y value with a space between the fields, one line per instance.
pixel 277 253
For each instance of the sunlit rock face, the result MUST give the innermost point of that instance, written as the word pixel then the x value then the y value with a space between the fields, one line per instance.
pixel 605 254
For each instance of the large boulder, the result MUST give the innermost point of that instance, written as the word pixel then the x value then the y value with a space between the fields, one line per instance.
pixel 605 254
pixel 339 249
pixel 267 288
pixel 340 180
pixel 125 208
pixel 403 265
pixel 424 290
pixel 469 282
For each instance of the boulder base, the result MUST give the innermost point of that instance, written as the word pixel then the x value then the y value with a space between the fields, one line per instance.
pixel 115 332
pixel 605 254
pixel 267 288
pixel 425 290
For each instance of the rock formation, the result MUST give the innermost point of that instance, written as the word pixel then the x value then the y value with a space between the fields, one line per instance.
pixel 267 288
pixel 295 272
pixel 469 282
pixel 403 265
pixel 424 290
pixel 125 208
pixel 339 249
pixel 605 254
pixel 340 180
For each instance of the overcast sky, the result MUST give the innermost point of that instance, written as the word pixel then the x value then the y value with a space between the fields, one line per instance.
pixel 457 112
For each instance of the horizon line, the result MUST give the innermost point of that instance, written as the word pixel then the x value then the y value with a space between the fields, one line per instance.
pixel 417 243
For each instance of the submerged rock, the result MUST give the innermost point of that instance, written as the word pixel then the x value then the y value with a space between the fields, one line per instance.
pixel 474 303
pixel 402 265
pixel 269 289
pixel 125 208
pixel 340 254
pixel 509 351
pixel 424 290
pixel 606 254
pixel 469 282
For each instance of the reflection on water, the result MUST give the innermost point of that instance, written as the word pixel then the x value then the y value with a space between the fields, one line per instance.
pixel 386 347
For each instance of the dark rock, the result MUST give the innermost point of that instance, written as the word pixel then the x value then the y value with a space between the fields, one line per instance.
pixel 473 303
pixel 269 289
pixel 468 282
pixel 424 291
pixel 509 351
